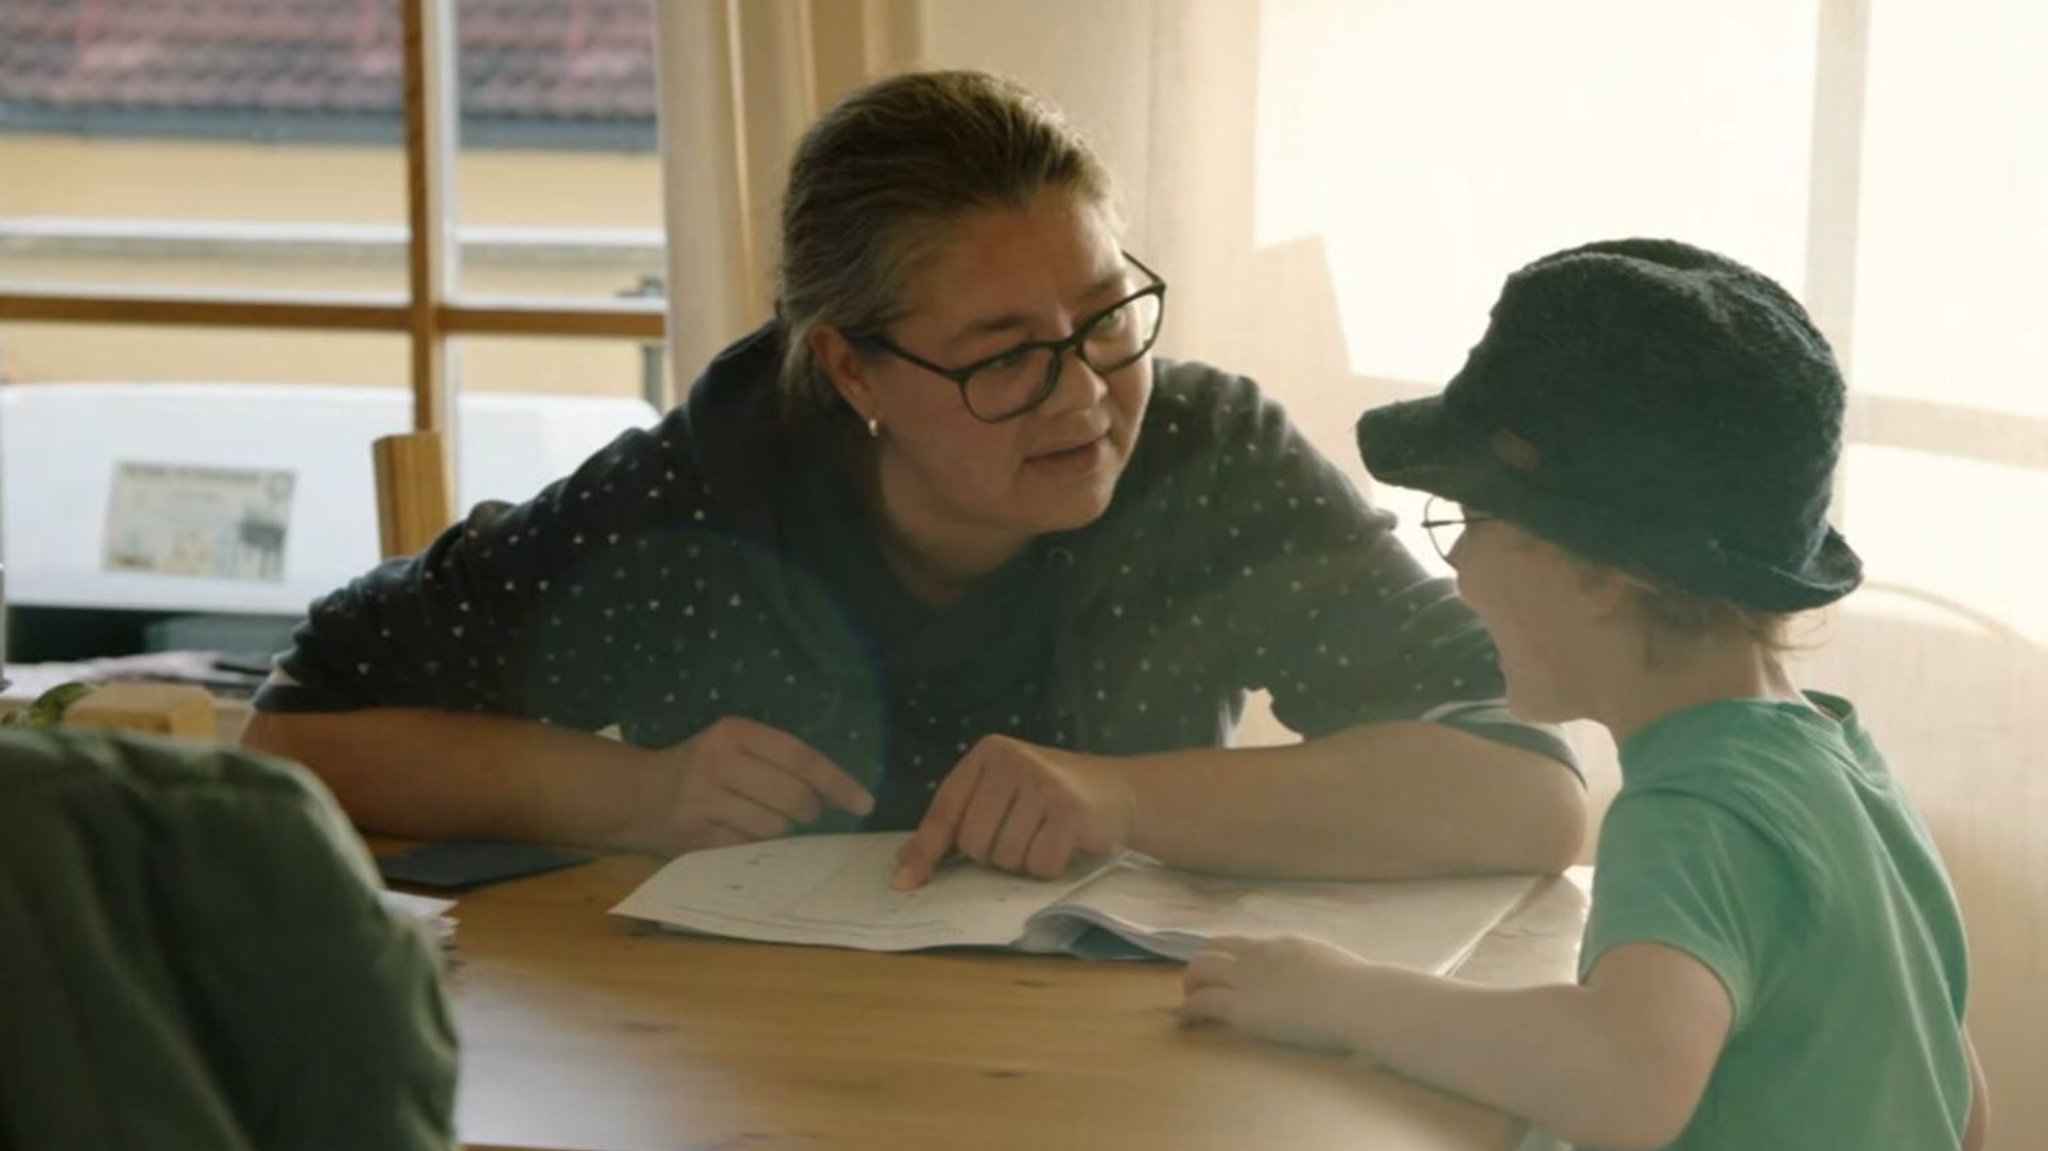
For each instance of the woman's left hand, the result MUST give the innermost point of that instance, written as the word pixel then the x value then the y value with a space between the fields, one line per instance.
pixel 1289 990
pixel 1020 807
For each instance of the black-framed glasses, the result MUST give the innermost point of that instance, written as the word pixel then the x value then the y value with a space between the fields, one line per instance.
pixel 1013 382
pixel 1445 521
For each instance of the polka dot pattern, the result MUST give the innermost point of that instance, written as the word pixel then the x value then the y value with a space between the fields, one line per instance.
pixel 645 590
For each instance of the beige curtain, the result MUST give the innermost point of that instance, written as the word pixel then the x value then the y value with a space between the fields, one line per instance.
pixel 740 79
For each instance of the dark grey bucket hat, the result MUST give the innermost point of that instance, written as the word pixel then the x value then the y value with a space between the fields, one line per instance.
pixel 1649 405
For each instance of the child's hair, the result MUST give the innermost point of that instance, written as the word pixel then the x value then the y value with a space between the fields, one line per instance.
pixel 1674 617
pixel 1671 613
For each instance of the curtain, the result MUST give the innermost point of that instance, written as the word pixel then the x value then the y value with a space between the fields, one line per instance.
pixel 740 80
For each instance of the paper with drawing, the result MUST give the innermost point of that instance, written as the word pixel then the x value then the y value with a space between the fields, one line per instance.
pixel 833 890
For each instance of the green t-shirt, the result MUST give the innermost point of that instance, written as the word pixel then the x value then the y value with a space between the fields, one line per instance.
pixel 1769 842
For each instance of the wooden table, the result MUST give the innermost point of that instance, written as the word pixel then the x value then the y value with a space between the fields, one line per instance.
pixel 582 1030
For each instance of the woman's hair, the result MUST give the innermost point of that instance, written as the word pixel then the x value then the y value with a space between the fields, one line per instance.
pixel 876 181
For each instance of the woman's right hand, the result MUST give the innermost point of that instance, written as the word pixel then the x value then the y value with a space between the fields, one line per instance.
pixel 738 781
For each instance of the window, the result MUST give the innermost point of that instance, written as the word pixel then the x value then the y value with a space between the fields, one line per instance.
pixel 1949 451
pixel 430 214
pixel 1453 142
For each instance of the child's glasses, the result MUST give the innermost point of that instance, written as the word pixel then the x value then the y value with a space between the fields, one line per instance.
pixel 1445 521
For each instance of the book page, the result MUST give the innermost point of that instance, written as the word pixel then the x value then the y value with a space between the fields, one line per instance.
pixel 1427 925
pixel 833 890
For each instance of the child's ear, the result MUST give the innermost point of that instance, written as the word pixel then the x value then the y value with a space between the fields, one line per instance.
pixel 843 364
pixel 1609 593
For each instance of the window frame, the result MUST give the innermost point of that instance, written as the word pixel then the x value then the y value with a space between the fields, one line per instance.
pixel 430 313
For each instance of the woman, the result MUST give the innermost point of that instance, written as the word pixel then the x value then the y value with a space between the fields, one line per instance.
pixel 941 547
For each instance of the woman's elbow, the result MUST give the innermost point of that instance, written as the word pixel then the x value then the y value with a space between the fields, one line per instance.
pixel 1549 814
pixel 293 736
pixel 269 732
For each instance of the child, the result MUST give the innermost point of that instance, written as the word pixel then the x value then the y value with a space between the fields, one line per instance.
pixel 1640 449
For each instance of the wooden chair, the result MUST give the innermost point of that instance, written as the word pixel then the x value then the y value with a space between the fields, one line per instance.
pixel 414 503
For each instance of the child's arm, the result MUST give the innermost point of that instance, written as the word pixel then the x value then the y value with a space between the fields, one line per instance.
pixel 1978 1128
pixel 1618 1062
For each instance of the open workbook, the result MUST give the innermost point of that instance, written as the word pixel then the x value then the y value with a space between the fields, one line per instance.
pixel 833 890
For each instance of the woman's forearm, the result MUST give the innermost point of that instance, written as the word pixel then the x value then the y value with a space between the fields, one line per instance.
pixel 1380 801
pixel 447 775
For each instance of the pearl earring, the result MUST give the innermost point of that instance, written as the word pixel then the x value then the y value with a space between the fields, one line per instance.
pixel 874 427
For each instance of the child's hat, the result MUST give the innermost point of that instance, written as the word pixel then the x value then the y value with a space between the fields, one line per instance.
pixel 1649 405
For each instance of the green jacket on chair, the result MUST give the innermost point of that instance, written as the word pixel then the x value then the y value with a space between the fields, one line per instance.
pixel 193 955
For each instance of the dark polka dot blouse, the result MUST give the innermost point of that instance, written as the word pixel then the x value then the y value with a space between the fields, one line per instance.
pixel 707 568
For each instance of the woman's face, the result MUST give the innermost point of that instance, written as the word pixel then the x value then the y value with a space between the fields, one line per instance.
pixel 1002 277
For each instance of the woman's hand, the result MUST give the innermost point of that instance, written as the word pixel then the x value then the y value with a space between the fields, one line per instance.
pixel 738 781
pixel 1020 807
pixel 1289 990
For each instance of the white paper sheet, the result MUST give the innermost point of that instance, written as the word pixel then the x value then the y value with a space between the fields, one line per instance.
pixel 833 890
pixel 1427 925
pixel 424 909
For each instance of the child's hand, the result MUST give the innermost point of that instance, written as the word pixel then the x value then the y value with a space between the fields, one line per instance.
pixel 1289 990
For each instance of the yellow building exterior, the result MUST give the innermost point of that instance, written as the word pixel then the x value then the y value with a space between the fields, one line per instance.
pixel 224 215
